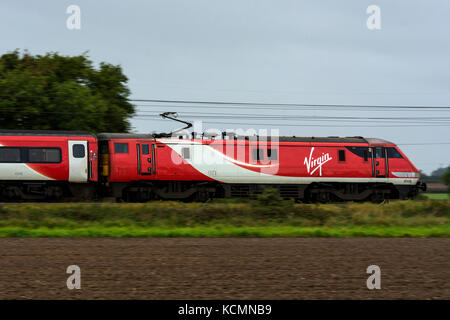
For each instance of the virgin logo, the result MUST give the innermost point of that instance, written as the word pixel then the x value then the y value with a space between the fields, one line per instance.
pixel 313 164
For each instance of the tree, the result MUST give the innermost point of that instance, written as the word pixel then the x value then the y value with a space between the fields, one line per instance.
pixel 54 92
pixel 439 172
pixel 446 178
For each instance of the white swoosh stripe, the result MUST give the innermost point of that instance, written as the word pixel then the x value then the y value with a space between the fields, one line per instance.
pixel 19 171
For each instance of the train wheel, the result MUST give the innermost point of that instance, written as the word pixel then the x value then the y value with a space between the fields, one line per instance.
pixel 12 193
pixel 377 197
pixel 323 197
pixel 54 193
pixel 202 196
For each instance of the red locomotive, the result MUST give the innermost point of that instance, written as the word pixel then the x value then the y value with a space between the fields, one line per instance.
pixel 141 167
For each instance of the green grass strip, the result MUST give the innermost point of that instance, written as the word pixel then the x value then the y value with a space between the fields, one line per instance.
pixel 421 218
pixel 437 196
pixel 267 231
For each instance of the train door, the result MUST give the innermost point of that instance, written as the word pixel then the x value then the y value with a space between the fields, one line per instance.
pixel 145 158
pixel 78 161
pixel 380 162
pixel 163 166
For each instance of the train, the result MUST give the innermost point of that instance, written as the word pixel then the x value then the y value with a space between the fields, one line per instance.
pixel 41 165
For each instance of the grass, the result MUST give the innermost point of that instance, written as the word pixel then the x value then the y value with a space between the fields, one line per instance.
pixel 437 196
pixel 427 218
pixel 200 232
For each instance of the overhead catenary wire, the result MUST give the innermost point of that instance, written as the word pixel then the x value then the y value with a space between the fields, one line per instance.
pixel 304 125
pixel 254 118
pixel 254 104
pixel 146 112
pixel 224 105
pixel 300 108
pixel 286 104
pixel 249 116
pixel 143 115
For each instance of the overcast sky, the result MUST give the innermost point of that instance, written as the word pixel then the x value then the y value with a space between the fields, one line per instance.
pixel 279 51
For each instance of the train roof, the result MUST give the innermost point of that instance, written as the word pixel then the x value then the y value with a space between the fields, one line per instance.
pixel 61 133
pixel 378 140
pixel 106 136
pixel 334 139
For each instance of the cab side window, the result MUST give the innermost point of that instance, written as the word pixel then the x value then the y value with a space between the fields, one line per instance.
pixel 379 152
pixel 145 149
pixel 393 153
pixel 366 155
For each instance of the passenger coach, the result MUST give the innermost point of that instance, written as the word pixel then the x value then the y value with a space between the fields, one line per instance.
pixel 48 165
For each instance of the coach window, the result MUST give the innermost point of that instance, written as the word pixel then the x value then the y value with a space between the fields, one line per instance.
pixel 272 154
pixel 341 155
pixel 121 147
pixel 44 155
pixel 9 154
pixel 78 151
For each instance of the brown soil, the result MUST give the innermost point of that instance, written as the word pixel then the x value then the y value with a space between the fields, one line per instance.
pixel 227 268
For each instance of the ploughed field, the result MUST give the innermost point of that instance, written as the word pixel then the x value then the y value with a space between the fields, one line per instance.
pixel 225 268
